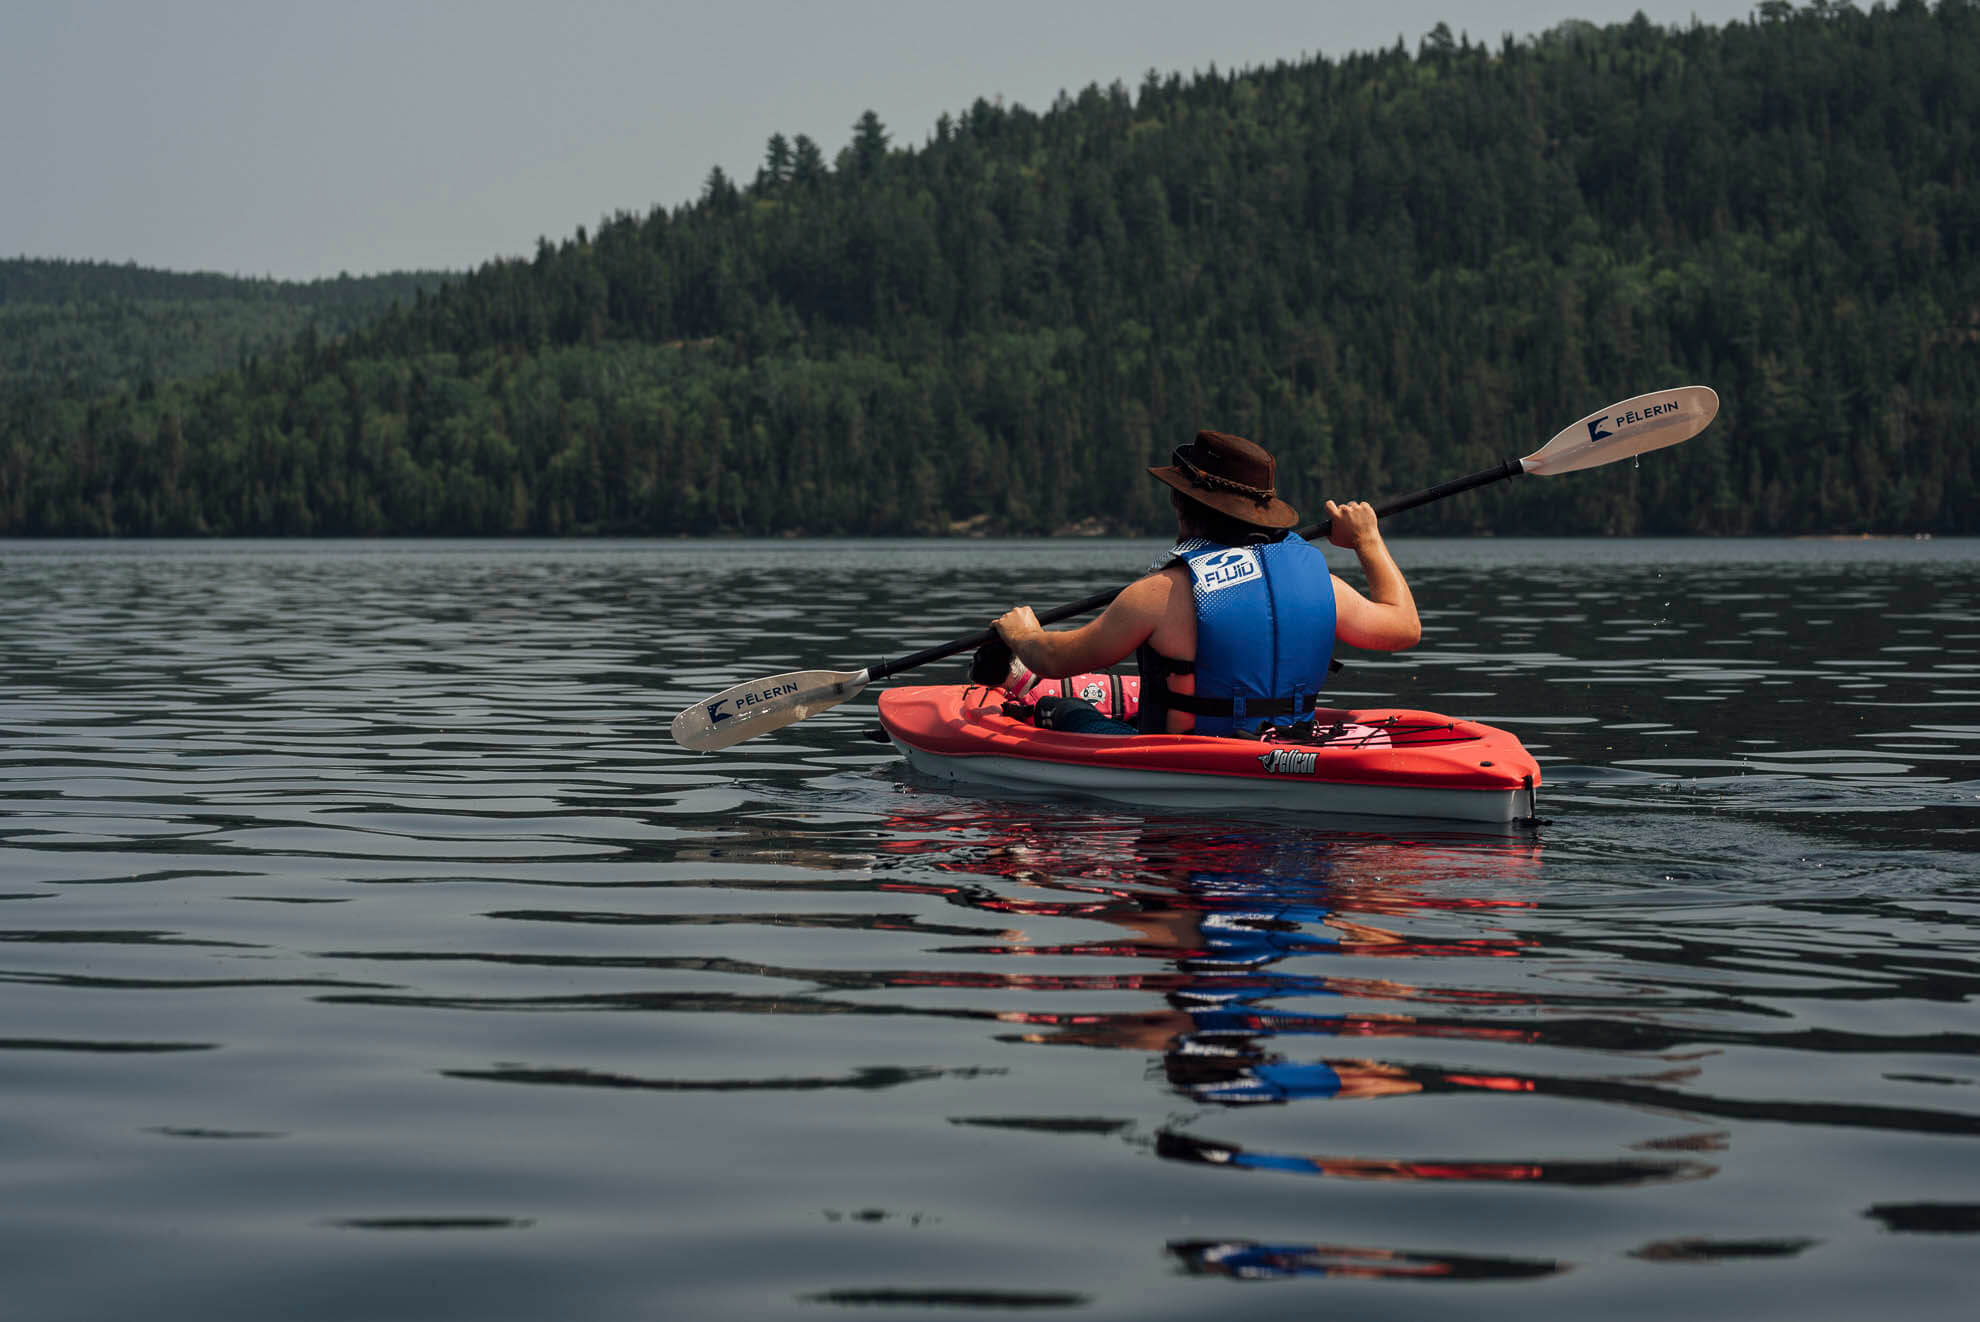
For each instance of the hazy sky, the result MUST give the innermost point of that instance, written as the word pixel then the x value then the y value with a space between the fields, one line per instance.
pixel 275 137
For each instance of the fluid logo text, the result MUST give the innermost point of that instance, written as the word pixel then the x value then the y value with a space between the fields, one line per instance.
pixel 1225 569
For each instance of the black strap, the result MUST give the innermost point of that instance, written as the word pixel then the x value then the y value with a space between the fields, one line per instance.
pixel 1168 665
pixel 1196 706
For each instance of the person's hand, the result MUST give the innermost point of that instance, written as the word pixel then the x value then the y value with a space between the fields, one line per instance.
pixel 1354 524
pixel 1017 624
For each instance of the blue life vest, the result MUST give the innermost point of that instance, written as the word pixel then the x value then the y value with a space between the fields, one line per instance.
pixel 1264 637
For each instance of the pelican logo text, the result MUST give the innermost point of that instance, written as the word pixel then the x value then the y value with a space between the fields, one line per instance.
pixel 1289 762
pixel 748 700
pixel 1225 569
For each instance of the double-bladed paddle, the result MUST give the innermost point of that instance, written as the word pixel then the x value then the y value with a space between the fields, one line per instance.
pixel 1635 426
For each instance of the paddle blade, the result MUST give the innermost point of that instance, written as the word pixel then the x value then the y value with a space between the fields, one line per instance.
pixel 763 705
pixel 1635 426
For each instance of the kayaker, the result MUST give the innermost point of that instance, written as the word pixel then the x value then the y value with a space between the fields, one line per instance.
pixel 1238 628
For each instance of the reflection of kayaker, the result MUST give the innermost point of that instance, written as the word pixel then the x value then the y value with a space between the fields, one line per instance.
pixel 1238 921
pixel 1225 929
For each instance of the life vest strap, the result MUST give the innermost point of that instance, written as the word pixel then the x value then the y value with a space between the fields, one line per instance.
pixel 1196 706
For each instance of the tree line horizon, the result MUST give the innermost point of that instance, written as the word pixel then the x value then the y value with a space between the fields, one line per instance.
pixel 1390 268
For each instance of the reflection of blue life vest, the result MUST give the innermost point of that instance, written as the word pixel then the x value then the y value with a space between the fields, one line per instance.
pixel 1270 1082
pixel 1252 1261
pixel 1246 938
pixel 1245 926
pixel 1264 636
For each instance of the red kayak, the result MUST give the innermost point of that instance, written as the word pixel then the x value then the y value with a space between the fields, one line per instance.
pixel 1385 762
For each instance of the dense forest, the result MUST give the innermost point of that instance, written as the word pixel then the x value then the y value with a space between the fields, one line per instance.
pixel 95 328
pixel 1391 268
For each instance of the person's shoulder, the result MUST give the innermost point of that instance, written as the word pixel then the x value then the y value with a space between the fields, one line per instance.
pixel 1176 573
pixel 1154 587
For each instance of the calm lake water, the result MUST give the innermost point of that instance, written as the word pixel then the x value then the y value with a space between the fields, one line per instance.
pixel 371 953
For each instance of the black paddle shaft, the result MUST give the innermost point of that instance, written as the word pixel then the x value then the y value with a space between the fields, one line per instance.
pixel 1484 477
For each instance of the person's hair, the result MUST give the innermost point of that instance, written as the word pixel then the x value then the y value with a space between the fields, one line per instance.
pixel 1217 526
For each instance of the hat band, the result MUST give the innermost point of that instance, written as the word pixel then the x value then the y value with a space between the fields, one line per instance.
pixel 1201 478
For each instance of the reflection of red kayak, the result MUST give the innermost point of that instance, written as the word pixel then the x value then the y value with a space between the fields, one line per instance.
pixel 1383 763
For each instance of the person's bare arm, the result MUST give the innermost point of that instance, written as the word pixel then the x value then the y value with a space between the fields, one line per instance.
pixel 1114 634
pixel 1384 620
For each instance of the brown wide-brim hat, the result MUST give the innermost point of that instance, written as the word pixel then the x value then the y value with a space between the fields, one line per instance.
pixel 1232 476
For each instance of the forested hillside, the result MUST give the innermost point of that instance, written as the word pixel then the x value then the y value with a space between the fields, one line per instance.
pixel 93 328
pixel 1391 268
